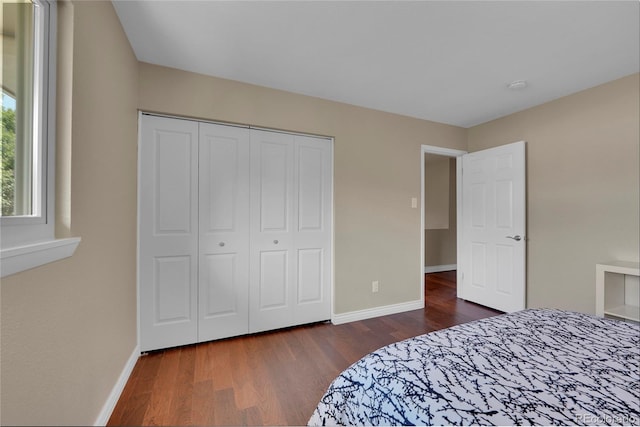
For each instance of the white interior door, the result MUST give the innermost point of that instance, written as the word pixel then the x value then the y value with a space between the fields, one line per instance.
pixel 168 224
pixel 493 227
pixel 223 232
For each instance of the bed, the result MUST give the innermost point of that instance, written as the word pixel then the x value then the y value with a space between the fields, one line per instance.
pixel 533 367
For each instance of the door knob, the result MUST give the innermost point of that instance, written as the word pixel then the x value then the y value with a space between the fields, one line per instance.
pixel 516 238
pixel 221 244
pixel 275 242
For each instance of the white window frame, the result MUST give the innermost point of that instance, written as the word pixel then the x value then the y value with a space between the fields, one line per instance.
pixel 29 241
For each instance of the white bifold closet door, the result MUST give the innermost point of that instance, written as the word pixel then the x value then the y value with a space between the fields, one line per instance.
pixel 234 231
pixel 223 279
pixel 168 232
pixel 290 230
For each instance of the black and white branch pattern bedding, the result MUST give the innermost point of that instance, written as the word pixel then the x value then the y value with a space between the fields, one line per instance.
pixel 538 366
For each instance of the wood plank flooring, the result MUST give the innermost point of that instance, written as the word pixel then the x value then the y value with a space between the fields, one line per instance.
pixel 273 378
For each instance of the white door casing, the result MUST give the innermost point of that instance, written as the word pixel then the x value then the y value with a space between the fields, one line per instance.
pixel 493 250
pixel 168 227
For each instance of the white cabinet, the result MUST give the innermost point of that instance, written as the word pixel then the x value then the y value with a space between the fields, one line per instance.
pixel 234 231
pixel 618 290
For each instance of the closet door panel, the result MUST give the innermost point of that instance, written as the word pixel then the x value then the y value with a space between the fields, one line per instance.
pixel 274 278
pixel 222 182
pixel 173 170
pixel 219 280
pixel 310 276
pixel 274 192
pixel 272 284
pixel 172 289
pixel 224 231
pixel 312 235
pixel 167 232
pixel 310 188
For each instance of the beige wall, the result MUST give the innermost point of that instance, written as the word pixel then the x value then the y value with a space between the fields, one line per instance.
pixel 69 327
pixel 440 246
pixel 436 192
pixel 377 172
pixel 583 187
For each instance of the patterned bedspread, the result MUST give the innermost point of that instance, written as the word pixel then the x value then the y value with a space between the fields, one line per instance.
pixel 538 366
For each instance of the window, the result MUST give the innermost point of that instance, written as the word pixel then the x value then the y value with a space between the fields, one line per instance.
pixel 25 72
pixel 28 130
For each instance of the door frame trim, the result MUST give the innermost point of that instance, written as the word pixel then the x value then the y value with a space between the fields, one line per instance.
pixel 446 152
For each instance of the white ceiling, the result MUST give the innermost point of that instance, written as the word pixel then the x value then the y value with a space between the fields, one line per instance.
pixel 446 61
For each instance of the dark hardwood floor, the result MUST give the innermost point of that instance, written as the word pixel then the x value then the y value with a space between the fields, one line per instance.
pixel 273 378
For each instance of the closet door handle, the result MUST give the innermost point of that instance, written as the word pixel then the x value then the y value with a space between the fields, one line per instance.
pixel 516 238
pixel 275 242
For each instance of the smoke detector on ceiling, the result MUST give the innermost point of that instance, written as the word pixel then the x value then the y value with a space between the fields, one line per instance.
pixel 517 84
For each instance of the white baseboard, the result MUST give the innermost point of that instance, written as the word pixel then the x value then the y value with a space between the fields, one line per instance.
pixel 353 316
pixel 439 268
pixel 112 400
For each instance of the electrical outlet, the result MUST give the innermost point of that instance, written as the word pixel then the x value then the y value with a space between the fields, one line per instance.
pixel 375 286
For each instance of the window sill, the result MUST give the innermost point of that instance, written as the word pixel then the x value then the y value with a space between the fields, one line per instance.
pixel 21 258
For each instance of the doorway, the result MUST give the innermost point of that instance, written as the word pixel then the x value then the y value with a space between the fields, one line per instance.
pixel 440 211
